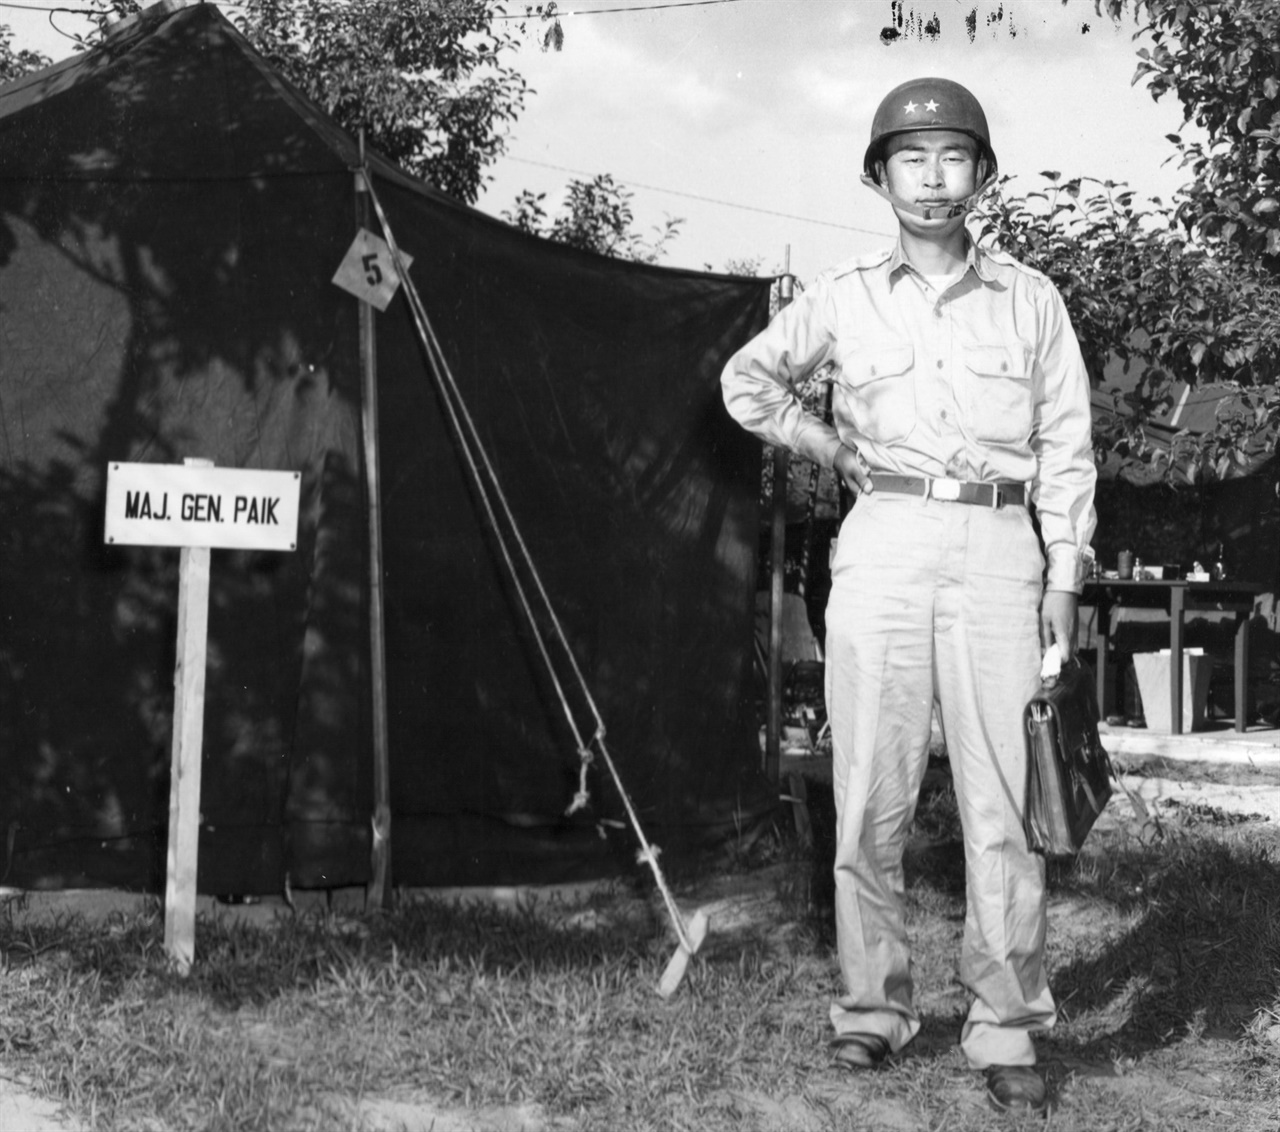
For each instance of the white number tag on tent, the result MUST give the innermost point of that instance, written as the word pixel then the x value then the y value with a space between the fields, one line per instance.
pixel 368 270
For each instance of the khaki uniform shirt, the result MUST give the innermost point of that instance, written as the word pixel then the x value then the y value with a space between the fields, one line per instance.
pixel 983 381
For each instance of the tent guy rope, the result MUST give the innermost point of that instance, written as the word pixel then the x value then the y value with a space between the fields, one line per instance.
pixel 689 934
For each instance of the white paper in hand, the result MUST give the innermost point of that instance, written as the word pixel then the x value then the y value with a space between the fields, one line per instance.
pixel 1051 666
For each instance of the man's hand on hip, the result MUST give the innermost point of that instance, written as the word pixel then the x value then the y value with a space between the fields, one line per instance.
pixel 1058 621
pixel 849 467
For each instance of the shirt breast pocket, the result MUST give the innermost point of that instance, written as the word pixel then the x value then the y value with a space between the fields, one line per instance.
pixel 880 390
pixel 1000 394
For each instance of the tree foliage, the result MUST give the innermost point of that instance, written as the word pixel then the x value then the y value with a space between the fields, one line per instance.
pixel 16 63
pixel 1141 291
pixel 596 217
pixel 1221 59
pixel 424 79
pixel 1188 292
pixel 1137 286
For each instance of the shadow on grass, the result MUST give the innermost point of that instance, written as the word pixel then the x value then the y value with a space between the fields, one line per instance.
pixel 1179 937
pixel 446 938
pixel 241 964
pixel 1203 957
pixel 1199 952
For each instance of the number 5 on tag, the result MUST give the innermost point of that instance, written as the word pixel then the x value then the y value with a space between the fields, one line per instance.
pixel 368 271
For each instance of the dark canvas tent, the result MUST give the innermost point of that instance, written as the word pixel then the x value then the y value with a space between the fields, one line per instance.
pixel 171 214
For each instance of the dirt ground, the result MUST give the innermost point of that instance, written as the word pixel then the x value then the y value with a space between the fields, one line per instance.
pixel 22 1111
pixel 1239 788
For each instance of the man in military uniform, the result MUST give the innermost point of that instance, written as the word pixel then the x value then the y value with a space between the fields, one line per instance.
pixel 960 402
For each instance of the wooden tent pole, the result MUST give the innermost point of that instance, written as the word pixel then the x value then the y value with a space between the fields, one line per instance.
pixel 777 559
pixel 377 894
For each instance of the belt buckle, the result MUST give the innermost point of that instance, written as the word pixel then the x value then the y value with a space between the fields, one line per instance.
pixel 947 490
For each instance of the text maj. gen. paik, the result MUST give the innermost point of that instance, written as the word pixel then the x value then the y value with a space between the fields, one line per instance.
pixel 200 507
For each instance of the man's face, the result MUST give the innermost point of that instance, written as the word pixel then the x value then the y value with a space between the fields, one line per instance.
pixel 930 167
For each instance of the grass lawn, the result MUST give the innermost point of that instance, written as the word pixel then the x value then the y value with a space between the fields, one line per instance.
pixel 1164 955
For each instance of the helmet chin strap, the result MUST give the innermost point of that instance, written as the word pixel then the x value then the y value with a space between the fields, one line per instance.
pixel 929 211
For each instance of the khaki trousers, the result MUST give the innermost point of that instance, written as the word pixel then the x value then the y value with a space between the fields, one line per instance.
pixel 934 600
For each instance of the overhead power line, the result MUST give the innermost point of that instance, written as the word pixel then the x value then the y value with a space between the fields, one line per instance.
pixel 48 8
pixel 708 200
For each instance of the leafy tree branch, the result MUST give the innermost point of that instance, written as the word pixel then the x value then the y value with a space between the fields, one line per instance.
pixel 596 217
pixel 426 80
pixel 1221 60
pixel 14 63
pixel 1140 290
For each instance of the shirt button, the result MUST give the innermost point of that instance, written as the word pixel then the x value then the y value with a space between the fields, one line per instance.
pixel 943 414
pixel 1004 367
pixel 939 363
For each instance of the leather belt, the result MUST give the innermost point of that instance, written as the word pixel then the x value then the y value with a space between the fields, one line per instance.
pixel 994 495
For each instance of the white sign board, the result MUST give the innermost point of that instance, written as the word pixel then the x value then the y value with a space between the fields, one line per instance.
pixel 368 270
pixel 181 505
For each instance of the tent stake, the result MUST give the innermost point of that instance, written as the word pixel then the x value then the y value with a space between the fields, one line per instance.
pixel 376 894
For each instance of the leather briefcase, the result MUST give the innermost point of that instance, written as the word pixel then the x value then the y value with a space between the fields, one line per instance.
pixel 1068 773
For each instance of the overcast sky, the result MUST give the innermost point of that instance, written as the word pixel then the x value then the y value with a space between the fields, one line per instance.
pixel 767 104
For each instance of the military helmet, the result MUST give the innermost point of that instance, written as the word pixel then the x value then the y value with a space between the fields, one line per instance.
pixel 928 104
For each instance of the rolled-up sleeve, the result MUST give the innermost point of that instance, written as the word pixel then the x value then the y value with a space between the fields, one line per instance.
pixel 759 380
pixel 1063 488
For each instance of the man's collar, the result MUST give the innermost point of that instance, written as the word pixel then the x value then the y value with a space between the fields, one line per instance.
pixel 975 258
pixel 980 261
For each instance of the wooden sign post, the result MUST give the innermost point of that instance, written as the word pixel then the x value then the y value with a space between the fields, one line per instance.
pixel 194 506
pixel 185 757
